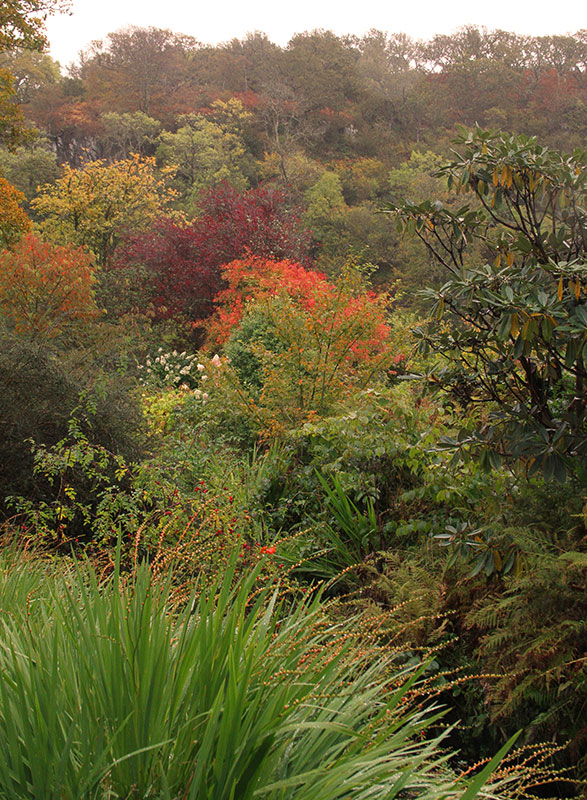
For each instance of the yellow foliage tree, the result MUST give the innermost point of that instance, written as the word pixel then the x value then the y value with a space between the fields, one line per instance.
pixel 95 205
pixel 13 220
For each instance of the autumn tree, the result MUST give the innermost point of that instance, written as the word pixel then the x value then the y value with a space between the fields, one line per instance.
pixel 297 342
pixel 182 263
pixel 259 221
pixel 253 278
pixel 22 22
pixel 14 223
pixel 96 205
pixel 70 122
pixel 45 287
pixel 137 69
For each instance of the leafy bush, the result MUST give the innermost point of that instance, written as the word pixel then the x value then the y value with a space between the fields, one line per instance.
pixel 41 389
pixel 303 344
pixel 515 330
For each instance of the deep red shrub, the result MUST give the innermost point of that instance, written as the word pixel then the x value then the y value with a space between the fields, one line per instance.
pixel 183 263
pixel 180 281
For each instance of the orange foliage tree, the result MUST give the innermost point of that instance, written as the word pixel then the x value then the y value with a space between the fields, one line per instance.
pixel 298 343
pixel 254 279
pixel 44 287
pixel 13 220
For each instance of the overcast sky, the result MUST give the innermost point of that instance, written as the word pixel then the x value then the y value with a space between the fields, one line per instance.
pixel 213 22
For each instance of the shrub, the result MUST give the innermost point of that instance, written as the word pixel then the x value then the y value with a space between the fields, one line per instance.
pixel 41 389
pixel 533 632
pixel 170 370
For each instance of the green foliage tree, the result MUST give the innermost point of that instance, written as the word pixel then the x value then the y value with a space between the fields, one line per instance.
pixel 31 70
pixel 204 154
pixel 417 178
pixel 13 130
pixel 514 329
pixel 325 216
pixel 412 265
pixel 125 134
pixel 27 168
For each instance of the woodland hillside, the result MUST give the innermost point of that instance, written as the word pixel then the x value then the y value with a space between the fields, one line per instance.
pixel 293 416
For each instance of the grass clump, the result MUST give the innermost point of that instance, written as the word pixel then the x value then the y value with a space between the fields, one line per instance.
pixel 117 687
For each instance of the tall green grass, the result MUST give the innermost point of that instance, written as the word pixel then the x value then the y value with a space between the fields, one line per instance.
pixel 108 690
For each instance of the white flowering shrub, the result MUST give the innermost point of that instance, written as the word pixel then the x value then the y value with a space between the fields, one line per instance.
pixel 179 371
pixel 171 370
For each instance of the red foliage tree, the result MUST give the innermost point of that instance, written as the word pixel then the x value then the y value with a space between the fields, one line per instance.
pixel 258 221
pixel 183 263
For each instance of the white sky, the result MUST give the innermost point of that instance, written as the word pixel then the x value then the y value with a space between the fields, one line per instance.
pixel 213 21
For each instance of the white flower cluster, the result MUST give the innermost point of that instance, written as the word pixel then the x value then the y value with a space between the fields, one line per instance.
pixel 177 370
pixel 215 362
pixel 170 370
